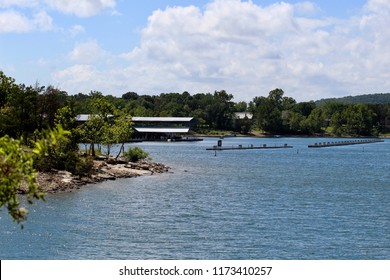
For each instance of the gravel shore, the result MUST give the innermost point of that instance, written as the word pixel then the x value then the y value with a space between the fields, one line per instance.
pixel 64 181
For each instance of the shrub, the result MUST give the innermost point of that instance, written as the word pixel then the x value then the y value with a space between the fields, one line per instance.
pixel 64 155
pixel 84 166
pixel 135 154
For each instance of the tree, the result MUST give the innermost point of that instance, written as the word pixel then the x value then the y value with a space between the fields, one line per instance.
pixel 243 125
pixel 269 111
pixel 130 95
pixel 359 120
pixel 294 121
pixel 16 168
pixel 21 118
pixel 337 122
pixel 241 106
pixel 315 121
pixel 91 132
pixel 123 129
pixel 219 110
pixel 304 108
pixel 7 86
pixel 50 101
pixel 66 117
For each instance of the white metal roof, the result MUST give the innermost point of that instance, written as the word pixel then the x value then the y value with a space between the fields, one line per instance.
pixel 82 117
pixel 242 115
pixel 163 129
pixel 161 119
pixel 85 117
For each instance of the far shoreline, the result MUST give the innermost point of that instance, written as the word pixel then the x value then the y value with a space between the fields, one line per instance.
pixel 263 135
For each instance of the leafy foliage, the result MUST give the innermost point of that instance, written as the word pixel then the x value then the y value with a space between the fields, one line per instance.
pixel 135 154
pixel 17 168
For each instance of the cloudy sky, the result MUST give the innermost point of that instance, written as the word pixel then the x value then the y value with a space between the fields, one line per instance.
pixel 310 49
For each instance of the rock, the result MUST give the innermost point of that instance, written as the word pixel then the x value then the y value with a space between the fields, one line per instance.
pixel 64 181
pixel 111 161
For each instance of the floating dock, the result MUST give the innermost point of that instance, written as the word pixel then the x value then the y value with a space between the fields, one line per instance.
pixel 344 143
pixel 250 147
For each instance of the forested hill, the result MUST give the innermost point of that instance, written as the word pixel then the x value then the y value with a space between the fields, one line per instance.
pixel 376 98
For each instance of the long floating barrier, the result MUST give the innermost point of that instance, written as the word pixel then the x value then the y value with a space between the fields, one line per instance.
pixel 250 147
pixel 344 143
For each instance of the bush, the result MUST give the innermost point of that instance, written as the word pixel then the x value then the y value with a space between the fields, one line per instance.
pixel 135 154
pixel 64 155
pixel 83 166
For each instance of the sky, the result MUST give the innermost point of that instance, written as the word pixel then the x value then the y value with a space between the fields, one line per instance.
pixel 310 49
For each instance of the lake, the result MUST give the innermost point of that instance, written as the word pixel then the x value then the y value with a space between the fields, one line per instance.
pixel 298 203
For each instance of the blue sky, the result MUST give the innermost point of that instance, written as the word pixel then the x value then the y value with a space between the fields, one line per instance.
pixel 310 49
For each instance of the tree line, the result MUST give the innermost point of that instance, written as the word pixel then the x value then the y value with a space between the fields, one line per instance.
pixel 273 114
pixel 24 110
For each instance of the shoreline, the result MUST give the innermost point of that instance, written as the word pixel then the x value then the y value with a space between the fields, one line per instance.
pixel 57 181
pixel 287 136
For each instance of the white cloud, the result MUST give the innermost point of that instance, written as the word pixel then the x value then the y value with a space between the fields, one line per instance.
pixel 306 8
pixel 75 30
pixel 43 21
pixel 81 8
pixel 378 6
pixel 29 15
pixel 19 3
pixel 88 53
pixel 248 50
pixel 85 78
pixel 12 21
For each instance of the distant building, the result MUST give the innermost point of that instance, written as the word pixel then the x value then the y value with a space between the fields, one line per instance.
pixel 157 128
pixel 163 128
pixel 85 117
pixel 242 115
pixel 82 118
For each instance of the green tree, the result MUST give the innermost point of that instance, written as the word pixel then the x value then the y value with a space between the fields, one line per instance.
pixel 271 112
pixel 50 101
pixel 219 111
pixel 66 117
pixel 7 86
pixel 130 95
pixel 16 169
pixel 337 122
pixel 241 106
pixel 314 122
pixel 304 108
pixel 91 132
pixel 23 112
pixel 293 121
pixel 243 125
pixel 123 129
pixel 359 120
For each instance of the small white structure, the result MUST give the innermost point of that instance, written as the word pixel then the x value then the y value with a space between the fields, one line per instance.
pixel 242 115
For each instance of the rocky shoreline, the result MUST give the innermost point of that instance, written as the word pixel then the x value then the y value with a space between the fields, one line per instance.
pixel 63 181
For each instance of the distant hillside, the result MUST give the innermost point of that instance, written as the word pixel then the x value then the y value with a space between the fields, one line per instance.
pixel 376 98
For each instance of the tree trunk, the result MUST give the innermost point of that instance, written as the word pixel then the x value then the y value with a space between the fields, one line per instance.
pixel 121 150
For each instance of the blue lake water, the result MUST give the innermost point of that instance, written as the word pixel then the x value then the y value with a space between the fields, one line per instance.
pixel 299 203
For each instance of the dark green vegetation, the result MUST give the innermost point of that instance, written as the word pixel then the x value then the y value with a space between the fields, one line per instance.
pixel 26 110
pixel 376 98
pixel 274 114
pixel 135 154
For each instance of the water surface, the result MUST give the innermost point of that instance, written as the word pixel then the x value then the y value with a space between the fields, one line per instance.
pixel 299 203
